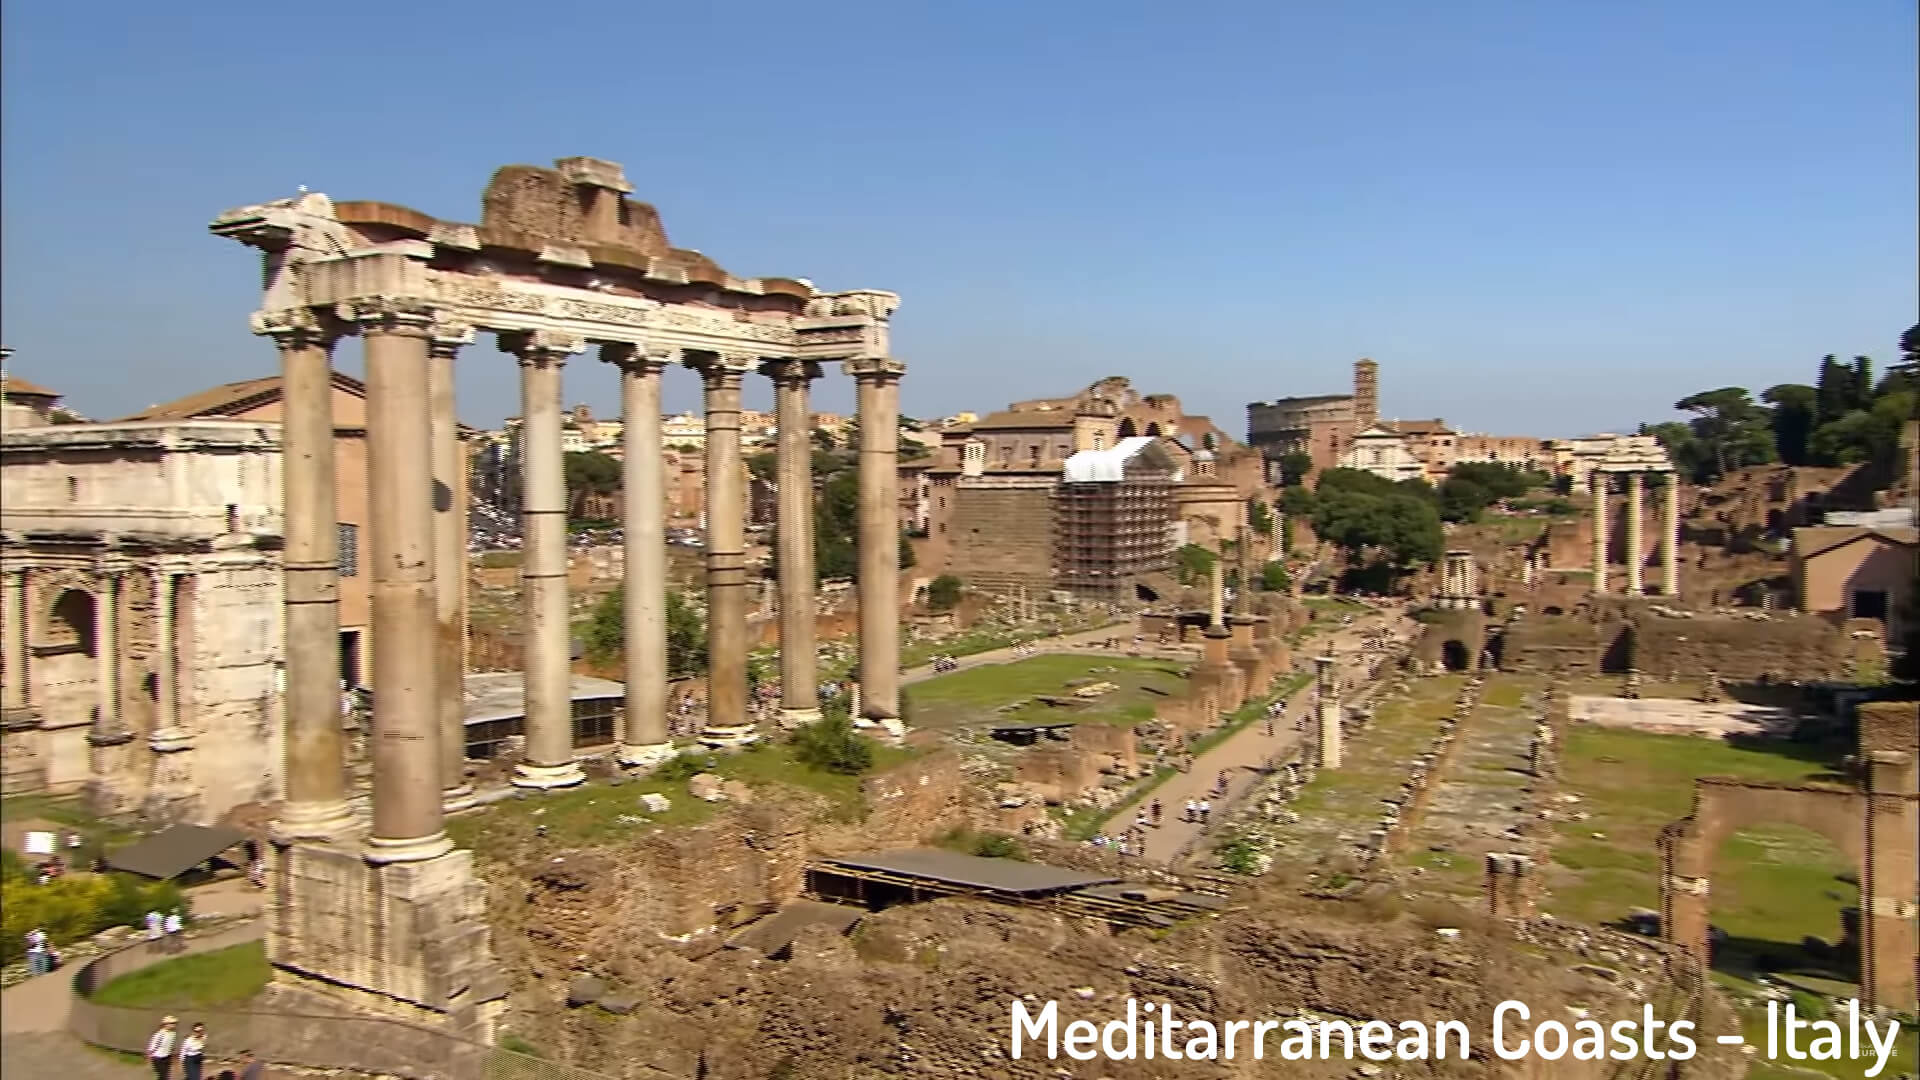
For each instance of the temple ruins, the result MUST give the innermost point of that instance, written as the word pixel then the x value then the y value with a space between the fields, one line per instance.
pixel 387 912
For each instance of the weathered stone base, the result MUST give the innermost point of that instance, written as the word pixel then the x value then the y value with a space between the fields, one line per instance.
pixel 456 799
pixel 645 756
pixel 726 738
pixel 529 775
pixel 797 718
pixel 408 940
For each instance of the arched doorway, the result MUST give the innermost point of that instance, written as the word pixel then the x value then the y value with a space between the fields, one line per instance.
pixel 65 670
pixel 1128 429
pixel 1455 656
pixel 72 627
pixel 1153 429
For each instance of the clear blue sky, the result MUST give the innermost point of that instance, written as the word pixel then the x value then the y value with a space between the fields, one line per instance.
pixel 1541 216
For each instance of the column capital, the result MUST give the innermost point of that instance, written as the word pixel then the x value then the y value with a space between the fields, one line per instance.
pixel 406 316
pixel 446 337
pixel 539 347
pixel 789 372
pixel 296 328
pixel 721 365
pixel 637 359
pixel 877 368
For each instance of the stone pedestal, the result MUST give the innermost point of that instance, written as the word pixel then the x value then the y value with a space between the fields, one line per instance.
pixel 408 940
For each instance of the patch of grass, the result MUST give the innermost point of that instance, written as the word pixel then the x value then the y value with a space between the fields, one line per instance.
pixel 518 1045
pixel 499 560
pixel 772 764
pixel 580 816
pixel 976 695
pixel 205 980
pixel 1753 1024
pixel 1338 605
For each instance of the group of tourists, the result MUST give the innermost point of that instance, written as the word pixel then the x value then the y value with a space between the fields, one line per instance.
pixel 166 933
pixel 166 1045
pixel 944 664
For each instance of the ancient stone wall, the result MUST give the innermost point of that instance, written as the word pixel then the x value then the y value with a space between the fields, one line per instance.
pixel 1003 537
pixel 1791 647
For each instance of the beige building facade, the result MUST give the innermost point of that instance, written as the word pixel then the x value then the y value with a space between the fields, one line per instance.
pixel 1854 572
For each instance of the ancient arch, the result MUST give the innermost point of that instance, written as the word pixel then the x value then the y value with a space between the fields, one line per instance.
pixel 1153 428
pixel 1877 828
pixel 71 624
pixel 1455 656
pixel 1128 429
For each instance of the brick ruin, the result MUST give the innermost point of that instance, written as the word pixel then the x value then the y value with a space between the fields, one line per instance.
pixel 1876 826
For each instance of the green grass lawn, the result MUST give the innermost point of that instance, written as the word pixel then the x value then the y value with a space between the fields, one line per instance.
pixel 975 696
pixel 1772 884
pixel 205 980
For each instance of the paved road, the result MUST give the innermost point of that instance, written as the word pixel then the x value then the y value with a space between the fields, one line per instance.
pixel 1242 754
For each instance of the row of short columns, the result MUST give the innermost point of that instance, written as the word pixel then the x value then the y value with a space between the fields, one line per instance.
pixel 417 539
pixel 1635 541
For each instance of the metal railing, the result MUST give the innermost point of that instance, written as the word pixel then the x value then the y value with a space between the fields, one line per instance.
pixel 369 1044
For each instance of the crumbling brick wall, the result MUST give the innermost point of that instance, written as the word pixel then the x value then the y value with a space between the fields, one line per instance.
pixel 1003 536
pixel 1793 647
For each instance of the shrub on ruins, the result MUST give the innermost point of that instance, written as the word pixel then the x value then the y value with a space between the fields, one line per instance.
pixel 605 633
pixel 1273 578
pixel 831 743
pixel 1194 564
pixel 75 905
pixel 943 593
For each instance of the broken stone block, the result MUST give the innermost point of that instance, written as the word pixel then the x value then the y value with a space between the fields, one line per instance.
pixel 585 990
pixel 706 787
pixel 736 791
pixel 620 1004
pixel 656 803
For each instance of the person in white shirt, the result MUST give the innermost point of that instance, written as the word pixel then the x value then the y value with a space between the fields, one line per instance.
pixel 160 1048
pixel 156 926
pixel 174 925
pixel 193 1051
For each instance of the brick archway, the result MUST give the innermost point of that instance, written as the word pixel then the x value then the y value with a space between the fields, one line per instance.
pixel 1876 828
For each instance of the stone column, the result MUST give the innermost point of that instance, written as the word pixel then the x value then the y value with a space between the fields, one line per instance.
pixel 728 723
pixel 1326 707
pixel 315 757
pixel 1670 538
pixel 1597 480
pixel 799 695
pixel 644 740
pixel 106 654
pixel 878 583
pixel 1636 552
pixel 407 768
pixel 1217 590
pixel 543 567
pixel 449 562
pixel 166 726
pixel 14 701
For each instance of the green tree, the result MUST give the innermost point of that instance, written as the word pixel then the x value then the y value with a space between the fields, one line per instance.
pixel 1733 429
pixel 943 593
pixel 605 633
pixel 1795 409
pixel 762 465
pixel 1498 479
pixel 589 473
pixel 908 560
pixel 1273 578
pixel 1294 467
pixel 1194 563
pixel 1259 517
pixel 1462 499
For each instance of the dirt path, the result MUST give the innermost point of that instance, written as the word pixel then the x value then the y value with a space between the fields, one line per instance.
pixel 1242 754
pixel 1077 641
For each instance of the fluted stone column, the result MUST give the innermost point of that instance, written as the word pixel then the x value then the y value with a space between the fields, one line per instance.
pixel 1636 553
pixel 644 740
pixel 15 703
pixel 106 655
pixel 407 769
pixel 315 756
pixel 166 658
pixel 728 722
pixel 449 562
pixel 1597 480
pixel 799 693
pixel 878 584
pixel 1670 538
pixel 543 567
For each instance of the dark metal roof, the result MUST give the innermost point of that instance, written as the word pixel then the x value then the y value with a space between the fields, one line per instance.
pixel 174 852
pixel 1152 894
pixel 774 934
pixel 1003 875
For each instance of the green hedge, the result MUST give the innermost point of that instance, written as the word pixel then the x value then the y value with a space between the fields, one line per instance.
pixel 75 905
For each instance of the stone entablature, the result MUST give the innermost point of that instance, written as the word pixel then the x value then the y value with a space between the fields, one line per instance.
pixel 198 478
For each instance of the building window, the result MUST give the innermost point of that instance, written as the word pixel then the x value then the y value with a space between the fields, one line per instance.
pixel 349 550
pixel 1870 604
pixel 593 721
pixel 1033 457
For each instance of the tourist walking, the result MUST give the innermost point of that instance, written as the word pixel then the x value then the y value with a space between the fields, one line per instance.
pixel 176 939
pixel 160 1048
pixel 39 956
pixel 1188 813
pixel 156 929
pixel 1154 811
pixel 250 1066
pixel 193 1053
pixel 1206 811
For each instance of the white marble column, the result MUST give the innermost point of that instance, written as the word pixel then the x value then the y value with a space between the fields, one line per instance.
pixel 549 759
pixel 644 737
pixel 449 561
pixel 1597 480
pixel 1636 552
pixel 1670 538
pixel 799 670
pixel 408 817
pixel 315 757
